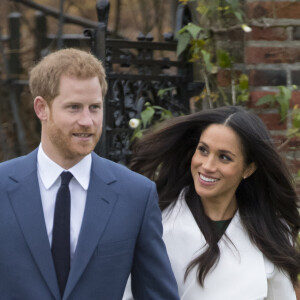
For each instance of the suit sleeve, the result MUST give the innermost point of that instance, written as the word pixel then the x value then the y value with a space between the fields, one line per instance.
pixel 151 276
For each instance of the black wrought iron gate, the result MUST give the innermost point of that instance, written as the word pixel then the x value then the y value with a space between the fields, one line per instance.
pixel 135 76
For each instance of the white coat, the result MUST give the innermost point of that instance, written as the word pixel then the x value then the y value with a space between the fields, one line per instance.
pixel 242 273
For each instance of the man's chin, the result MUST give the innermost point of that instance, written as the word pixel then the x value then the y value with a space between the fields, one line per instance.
pixel 78 154
pixel 86 151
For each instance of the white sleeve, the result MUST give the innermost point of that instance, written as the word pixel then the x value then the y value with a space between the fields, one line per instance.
pixel 279 284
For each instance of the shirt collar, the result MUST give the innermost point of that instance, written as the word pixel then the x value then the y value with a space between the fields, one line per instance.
pixel 49 171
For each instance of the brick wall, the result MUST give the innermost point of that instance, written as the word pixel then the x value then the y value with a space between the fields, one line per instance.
pixel 270 55
pixel 272 58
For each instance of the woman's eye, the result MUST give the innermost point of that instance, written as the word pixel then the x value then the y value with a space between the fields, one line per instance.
pixel 225 157
pixel 202 149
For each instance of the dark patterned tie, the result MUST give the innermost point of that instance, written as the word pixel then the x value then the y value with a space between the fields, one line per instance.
pixel 61 232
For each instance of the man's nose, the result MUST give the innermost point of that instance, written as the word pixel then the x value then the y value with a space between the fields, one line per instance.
pixel 85 118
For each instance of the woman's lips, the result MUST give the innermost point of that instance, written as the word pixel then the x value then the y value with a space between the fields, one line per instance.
pixel 207 180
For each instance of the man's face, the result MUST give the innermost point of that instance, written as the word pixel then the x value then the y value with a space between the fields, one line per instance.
pixel 73 122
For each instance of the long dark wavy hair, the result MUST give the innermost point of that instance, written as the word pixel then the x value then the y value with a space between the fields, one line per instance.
pixel 267 200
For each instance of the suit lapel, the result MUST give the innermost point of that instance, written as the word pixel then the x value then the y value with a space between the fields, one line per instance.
pixel 99 206
pixel 25 198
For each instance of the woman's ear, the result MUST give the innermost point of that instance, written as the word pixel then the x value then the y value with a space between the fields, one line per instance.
pixel 41 108
pixel 249 170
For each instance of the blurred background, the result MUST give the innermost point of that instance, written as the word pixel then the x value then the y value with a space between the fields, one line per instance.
pixel 214 53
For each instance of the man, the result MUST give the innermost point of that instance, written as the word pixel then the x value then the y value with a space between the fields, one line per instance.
pixel 74 225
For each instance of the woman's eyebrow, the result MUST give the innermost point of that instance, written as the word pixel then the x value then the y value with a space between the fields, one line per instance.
pixel 227 152
pixel 223 151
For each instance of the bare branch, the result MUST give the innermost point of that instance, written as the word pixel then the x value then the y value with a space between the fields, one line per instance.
pixel 260 24
pixel 55 13
pixel 289 137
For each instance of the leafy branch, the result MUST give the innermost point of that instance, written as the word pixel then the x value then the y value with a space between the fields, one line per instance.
pixel 282 99
pixel 198 44
pixel 150 116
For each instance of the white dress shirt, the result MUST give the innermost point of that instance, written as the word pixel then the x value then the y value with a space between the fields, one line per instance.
pixel 49 181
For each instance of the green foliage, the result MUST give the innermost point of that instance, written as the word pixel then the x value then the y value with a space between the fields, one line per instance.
pixel 243 88
pixel 192 29
pixel 206 56
pixel 197 43
pixel 282 98
pixel 186 35
pixel 183 42
pixel 149 112
pixel 147 115
pixel 203 9
pixel 193 38
pixel 295 130
pixel 216 9
pixel 296 117
pixel 234 8
pixel 162 92
pixel 151 116
pixel 224 59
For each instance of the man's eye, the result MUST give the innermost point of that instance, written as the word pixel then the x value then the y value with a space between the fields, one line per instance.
pixel 74 107
pixel 95 107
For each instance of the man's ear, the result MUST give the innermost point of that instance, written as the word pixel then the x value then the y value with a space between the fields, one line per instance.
pixel 249 170
pixel 41 108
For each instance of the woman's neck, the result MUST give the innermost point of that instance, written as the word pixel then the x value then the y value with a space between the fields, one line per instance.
pixel 219 209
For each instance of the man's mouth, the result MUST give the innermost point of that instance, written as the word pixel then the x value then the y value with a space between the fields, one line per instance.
pixel 84 135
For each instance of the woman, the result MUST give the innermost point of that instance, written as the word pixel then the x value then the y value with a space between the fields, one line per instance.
pixel 230 212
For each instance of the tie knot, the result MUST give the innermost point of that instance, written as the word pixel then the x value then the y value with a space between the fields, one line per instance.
pixel 65 178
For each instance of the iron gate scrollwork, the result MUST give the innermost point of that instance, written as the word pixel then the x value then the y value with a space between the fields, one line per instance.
pixel 135 74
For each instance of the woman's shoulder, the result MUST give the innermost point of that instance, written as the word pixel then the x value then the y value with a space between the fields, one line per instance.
pixel 176 208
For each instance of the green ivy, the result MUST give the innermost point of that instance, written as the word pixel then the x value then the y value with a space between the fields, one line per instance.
pixel 198 44
pixel 151 116
pixel 282 98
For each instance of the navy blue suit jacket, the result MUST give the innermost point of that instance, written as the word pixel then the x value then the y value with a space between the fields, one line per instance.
pixel 121 233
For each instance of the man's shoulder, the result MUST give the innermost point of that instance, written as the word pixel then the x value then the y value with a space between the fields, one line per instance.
pixel 20 162
pixel 11 162
pixel 119 171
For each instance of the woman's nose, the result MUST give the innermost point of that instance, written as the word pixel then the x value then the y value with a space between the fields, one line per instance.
pixel 209 164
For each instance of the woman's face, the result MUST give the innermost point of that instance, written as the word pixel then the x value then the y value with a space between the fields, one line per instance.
pixel 218 164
